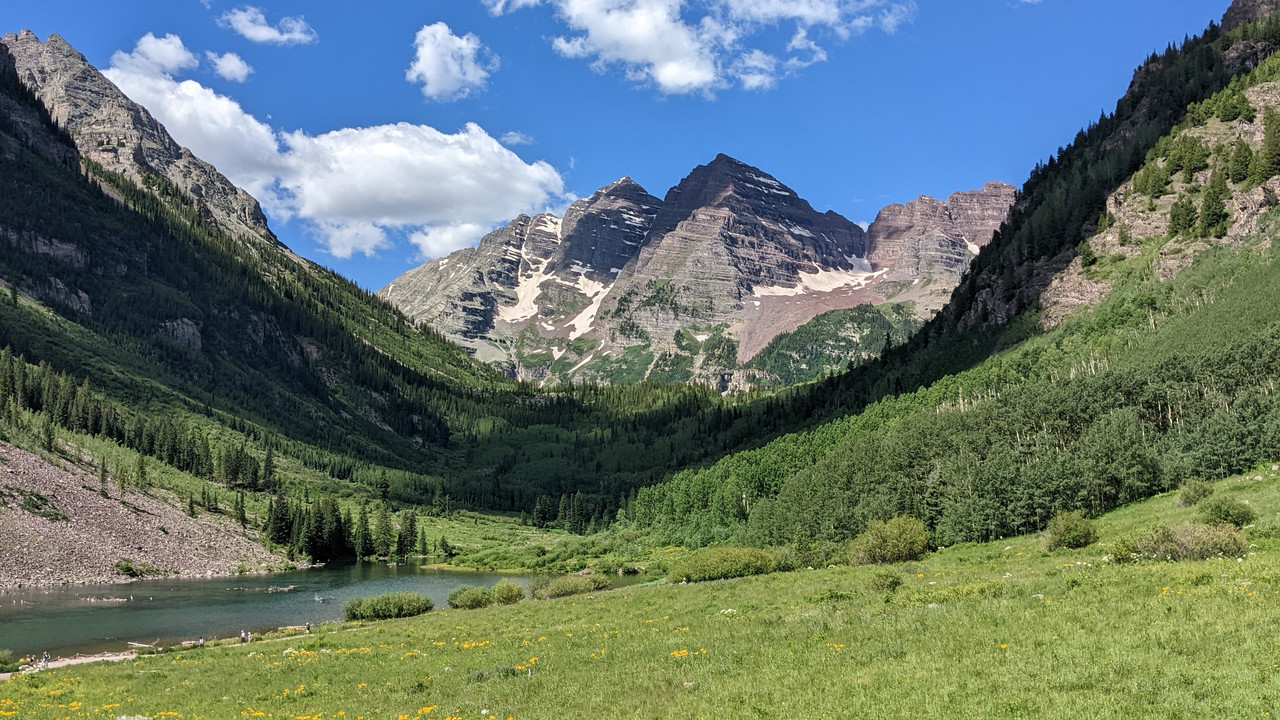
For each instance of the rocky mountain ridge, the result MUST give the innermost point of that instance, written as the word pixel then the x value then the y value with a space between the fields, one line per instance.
pixel 690 287
pixel 122 136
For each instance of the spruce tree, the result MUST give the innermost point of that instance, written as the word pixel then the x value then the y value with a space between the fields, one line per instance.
pixel 1182 216
pixel 1213 209
pixel 1241 159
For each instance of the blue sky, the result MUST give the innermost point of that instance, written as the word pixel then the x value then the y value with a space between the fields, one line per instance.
pixel 381 133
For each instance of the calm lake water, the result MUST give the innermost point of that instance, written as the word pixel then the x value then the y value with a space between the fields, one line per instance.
pixel 67 620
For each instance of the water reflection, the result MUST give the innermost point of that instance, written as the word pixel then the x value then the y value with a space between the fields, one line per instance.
pixel 101 618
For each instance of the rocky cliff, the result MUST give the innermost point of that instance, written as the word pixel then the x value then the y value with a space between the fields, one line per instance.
pixel 690 287
pixel 1247 11
pixel 121 135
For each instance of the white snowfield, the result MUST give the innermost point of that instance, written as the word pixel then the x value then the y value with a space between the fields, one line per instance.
pixel 821 281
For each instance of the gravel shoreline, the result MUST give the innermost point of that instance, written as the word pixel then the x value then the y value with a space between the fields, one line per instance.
pixel 99 531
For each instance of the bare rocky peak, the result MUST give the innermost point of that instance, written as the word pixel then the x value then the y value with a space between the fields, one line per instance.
pixel 120 134
pixel 932 238
pixel 1247 11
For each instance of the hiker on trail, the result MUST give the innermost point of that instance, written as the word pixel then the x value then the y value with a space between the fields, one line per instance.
pixel 202 641
pixel 308 628
pixel 251 636
pixel 242 640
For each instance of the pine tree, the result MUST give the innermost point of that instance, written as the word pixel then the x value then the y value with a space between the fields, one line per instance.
pixel 385 533
pixel 446 550
pixel 408 534
pixel 191 505
pixel 241 516
pixel 1241 159
pixel 140 473
pixel 362 540
pixel 1182 216
pixel 1213 209
pixel 1270 144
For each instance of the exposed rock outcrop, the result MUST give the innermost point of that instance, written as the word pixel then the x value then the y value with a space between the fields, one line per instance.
pixel 686 288
pixel 121 135
pixel 1247 11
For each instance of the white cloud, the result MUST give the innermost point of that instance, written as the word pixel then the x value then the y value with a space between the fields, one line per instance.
pixel 757 70
pixel 442 240
pixel 515 138
pixel 350 187
pixel 449 67
pixel 500 7
pixel 647 37
pixel 251 23
pixel 153 55
pixel 229 66
pixel 700 46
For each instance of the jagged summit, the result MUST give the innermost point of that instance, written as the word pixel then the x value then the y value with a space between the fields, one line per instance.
pixel 1247 11
pixel 704 278
pixel 123 136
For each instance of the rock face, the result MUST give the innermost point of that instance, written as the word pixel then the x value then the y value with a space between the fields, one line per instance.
pixel 121 135
pixel 1247 11
pixel 930 239
pixel 690 287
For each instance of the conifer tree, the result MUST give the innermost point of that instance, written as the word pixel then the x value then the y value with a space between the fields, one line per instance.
pixel 385 532
pixel 1182 216
pixel 1213 209
pixel 1241 159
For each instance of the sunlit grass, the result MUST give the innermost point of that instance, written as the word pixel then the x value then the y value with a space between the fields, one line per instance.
pixel 1001 629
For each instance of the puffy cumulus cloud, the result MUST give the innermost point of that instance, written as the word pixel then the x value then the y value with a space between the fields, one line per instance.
pixel 156 56
pixel 649 38
pixel 700 46
pixel 449 67
pixel 352 188
pixel 405 175
pixel 251 23
pixel 230 66
pixel 212 126
pixel 444 239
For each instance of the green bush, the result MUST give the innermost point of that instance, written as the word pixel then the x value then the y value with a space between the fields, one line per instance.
pixel 1193 491
pixel 1222 510
pixel 785 558
pixel 470 597
pixel 885 581
pixel 505 592
pixel 1070 530
pixel 1190 541
pixel 573 585
pixel 718 563
pixel 902 539
pixel 8 661
pixel 386 606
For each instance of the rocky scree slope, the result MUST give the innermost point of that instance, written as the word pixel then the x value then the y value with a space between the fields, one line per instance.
pixel 59 528
pixel 690 287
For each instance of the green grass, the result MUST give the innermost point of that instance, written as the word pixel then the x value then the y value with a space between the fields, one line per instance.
pixel 1001 629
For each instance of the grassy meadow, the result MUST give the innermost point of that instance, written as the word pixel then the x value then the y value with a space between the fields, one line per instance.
pixel 1001 629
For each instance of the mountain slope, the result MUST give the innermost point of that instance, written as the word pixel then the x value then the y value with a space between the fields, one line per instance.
pixel 1163 372
pixel 690 287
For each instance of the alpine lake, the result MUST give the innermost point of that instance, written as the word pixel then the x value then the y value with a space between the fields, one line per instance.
pixel 92 619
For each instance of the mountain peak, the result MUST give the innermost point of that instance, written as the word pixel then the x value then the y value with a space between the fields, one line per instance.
pixel 1243 12
pixel 121 135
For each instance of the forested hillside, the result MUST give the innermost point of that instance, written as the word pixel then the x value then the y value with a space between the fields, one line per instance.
pixel 1171 376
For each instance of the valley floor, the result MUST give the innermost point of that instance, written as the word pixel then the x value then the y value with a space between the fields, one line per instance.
pixel 1001 629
